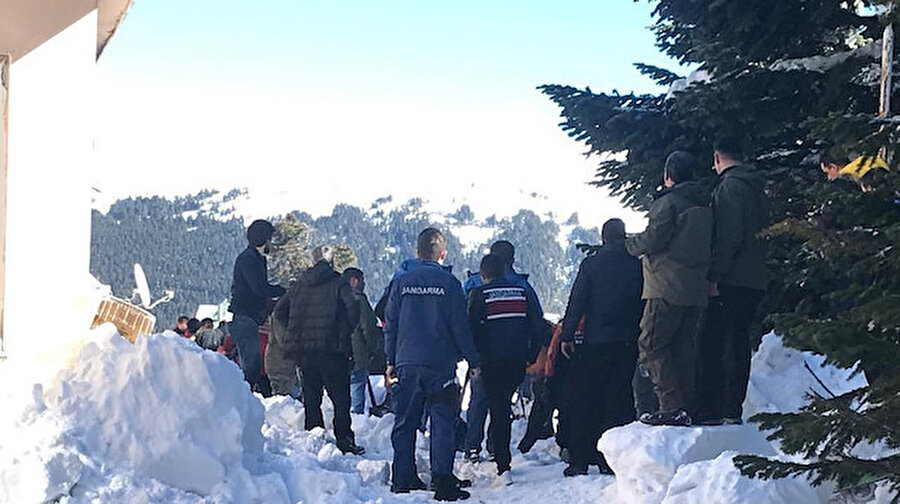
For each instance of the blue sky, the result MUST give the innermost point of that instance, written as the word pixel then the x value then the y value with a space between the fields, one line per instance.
pixel 282 96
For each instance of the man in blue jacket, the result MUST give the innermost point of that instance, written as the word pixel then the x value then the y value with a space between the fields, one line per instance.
pixel 250 293
pixel 426 335
pixel 478 402
pixel 509 332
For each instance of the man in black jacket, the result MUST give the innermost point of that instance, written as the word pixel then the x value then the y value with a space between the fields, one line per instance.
pixel 508 330
pixel 738 276
pixel 320 311
pixel 250 291
pixel 607 293
pixel 675 251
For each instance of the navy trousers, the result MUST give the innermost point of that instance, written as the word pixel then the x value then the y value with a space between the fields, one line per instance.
pixel 417 386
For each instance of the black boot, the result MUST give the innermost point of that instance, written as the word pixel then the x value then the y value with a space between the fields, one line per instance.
pixel 575 470
pixel 678 418
pixel 402 488
pixel 348 445
pixel 446 489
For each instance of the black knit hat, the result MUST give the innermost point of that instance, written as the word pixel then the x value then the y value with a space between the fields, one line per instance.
pixel 259 232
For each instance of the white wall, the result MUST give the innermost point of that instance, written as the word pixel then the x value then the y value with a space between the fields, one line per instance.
pixel 51 131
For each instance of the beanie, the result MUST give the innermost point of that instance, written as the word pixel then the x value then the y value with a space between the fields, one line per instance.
pixel 259 232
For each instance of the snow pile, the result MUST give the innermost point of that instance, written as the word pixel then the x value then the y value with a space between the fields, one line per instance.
pixel 718 481
pixel 164 421
pixel 780 380
pixel 645 459
pixel 160 416
pixel 680 465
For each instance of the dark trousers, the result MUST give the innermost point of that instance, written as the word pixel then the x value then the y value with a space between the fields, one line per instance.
pixel 245 332
pixel 723 370
pixel 599 395
pixel 501 380
pixel 476 417
pixel 331 372
pixel 417 385
pixel 645 400
pixel 541 417
pixel 666 344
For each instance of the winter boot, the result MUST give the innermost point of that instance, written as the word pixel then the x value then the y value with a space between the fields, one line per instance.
pixel 415 484
pixel 446 489
pixel 708 421
pixel 678 418
pixel 348 445
pixel 603 466
pixel 503 478
pixel 461 483
pixel 575 470
pixel 473 455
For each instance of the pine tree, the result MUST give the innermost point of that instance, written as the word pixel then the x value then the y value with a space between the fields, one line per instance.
pixel 290 254
pixel 791 78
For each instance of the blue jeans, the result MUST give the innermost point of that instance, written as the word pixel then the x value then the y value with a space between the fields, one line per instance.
pixel 476 416
pixel 358 379
pixel 417 385
pixel 245 332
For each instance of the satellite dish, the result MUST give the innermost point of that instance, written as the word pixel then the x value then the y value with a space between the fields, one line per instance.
pixel 143 289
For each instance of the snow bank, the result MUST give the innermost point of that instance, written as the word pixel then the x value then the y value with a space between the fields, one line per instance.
pixel 645 459
pixel 718 481
pixel 781 382
pixel 161 410
pixel 681 465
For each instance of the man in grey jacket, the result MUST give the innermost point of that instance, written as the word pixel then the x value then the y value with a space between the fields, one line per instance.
pixel 675 253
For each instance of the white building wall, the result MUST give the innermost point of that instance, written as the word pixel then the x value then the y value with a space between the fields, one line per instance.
pixel 51 131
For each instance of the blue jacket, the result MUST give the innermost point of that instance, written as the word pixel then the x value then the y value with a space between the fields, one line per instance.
pixel 405 267
pixel 505 323
pixel 512 277
pixel 425 320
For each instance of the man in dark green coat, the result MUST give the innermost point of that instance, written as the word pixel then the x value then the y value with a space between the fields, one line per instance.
pixel 675 253
pixel 367 341
pixel 738 276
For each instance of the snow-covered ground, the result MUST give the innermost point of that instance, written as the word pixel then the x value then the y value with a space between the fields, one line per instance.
pixel 164 421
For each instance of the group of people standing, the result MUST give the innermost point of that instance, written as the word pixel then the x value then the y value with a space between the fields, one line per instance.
pixel 675 301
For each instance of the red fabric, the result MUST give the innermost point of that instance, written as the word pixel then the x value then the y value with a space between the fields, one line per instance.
pixel 554 349
pixel 227 349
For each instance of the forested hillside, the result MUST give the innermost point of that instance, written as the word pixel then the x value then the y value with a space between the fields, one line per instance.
pixel 189 244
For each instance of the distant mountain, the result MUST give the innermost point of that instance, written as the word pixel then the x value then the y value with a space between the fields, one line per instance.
pixel 189 244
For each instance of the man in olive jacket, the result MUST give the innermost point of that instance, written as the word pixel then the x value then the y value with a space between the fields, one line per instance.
pixel 367 341
pixel 320 311
pixel 738 276
pixel 675 252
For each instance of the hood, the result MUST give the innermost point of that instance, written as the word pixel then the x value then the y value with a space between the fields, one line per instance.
pixel 748 174
pixel 694 191
pixel 321 273
pixel 411 264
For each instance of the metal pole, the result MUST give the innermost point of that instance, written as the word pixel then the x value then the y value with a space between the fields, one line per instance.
pixel 5 61
pixel 887 65
pixel 887 60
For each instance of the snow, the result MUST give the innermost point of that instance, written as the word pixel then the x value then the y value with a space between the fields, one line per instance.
pixel 164 421
pixel 717 481
pixel 472 236
pixel 646 459
pixel 780 381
